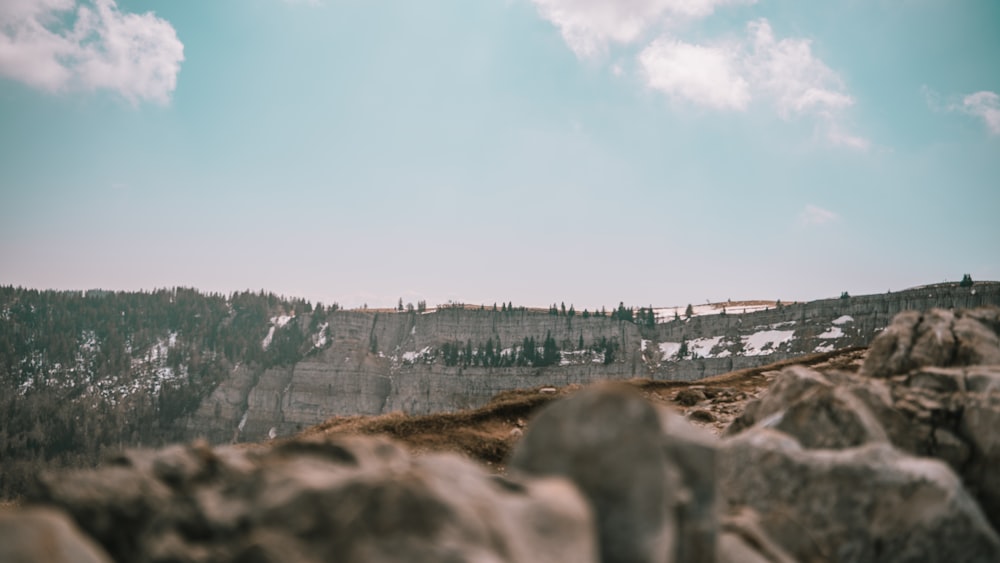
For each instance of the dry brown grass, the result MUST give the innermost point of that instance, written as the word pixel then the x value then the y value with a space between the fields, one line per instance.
pixel 488 433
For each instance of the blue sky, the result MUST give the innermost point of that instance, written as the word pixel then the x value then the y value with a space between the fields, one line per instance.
pixel 651 151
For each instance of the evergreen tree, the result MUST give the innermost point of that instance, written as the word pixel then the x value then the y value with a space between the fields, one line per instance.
pixel 689 312
pixel 966 281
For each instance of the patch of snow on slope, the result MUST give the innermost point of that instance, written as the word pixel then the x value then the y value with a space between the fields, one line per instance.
pixel 320 338
pixel 668 350
pixel 281 320
pixel 828 347
pixel 643 345
pixel 843 319
pixel 832 332
pixel 765 341
pixel 702 347
pixel 267 339
pixel 410 357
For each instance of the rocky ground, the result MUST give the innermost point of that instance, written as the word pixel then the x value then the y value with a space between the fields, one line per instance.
pixel 884 455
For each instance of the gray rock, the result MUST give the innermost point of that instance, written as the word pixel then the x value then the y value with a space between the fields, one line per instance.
pixel 806 404
pixel 743 540
pixel 345 499
pixel 693 452
pixel 872 503
pixel 983 379
pixel 43 535
pixel 980 427
pixel 792 383
pixel 830 418
pixel 936 338
pixel 607 440
pixel 689 397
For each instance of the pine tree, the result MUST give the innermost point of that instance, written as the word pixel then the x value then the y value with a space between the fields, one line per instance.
pixel 689 312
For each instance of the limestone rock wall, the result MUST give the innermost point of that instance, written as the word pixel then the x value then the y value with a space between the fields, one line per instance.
pixel 377 362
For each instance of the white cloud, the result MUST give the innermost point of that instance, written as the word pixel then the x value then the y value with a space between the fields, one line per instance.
pixel 728 76
pixel 722 75
pixel 705 76
pixel 137 56
pixel 815 215
pixel 985 105
pixel 588 26
pixel 786 69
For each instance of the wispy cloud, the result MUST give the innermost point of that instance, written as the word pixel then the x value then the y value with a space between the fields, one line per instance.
pixel 588 26
pixel 815 215
pixel 138 56
pixel 985 105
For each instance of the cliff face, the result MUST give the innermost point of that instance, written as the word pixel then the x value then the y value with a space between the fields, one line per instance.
pixel 372 363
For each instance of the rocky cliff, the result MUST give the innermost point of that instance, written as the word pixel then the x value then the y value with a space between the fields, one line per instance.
pixel 377 362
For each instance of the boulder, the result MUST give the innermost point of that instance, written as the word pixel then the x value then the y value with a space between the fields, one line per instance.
pixel 806 404
pixel 38 534
pixel 607 440
pixel 743 540
pixel 692 452
pixel 870 503
pixel 353 499
pixel 980 428
pixel 936 338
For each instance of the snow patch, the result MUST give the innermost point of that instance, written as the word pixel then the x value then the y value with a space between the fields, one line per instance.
pixel 765 342
pixel 842 320
pixel 424 353
pixel 267 339
pixel 832 332
pixel 668 350
pixel 702 347
pixel 320 338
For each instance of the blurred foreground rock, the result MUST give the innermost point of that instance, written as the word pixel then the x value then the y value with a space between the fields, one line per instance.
pixel 896 463
pixel 347 499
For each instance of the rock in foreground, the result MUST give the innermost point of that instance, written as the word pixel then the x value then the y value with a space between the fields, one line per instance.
pixel 347 499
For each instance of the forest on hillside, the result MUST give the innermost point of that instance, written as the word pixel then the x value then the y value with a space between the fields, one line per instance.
pixel 85 372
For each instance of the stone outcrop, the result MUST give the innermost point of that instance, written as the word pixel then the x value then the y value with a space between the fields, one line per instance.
pixel 347 499
pixel 867 503
pixel 936 338
pixel 40 534
pixel 880 465
pixel 608 442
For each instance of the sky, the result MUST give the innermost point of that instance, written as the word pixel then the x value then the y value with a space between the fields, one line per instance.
pixel 656 152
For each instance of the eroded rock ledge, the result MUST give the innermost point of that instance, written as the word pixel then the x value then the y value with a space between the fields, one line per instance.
pixel 895 463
